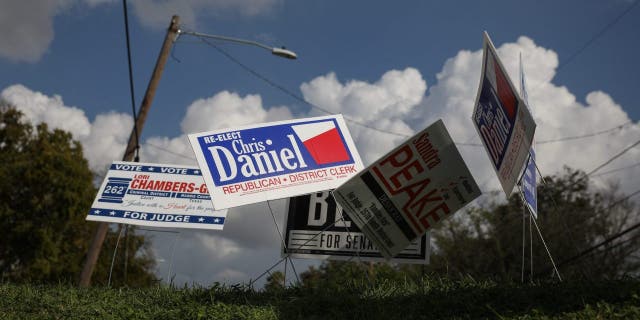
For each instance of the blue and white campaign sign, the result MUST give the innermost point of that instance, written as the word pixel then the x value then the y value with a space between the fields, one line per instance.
pixel 317 229
pixel 529 183
pixel 502 120
pixel 408 191
pixel 156 195
pixel 275 160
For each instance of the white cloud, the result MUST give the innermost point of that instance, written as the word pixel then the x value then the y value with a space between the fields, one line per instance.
pixel 103 140
pixel 39 107
pixel 384 104
pixel 107 139
pixel 28 28
pixel 156 14
pixel 28 24
pixel 227 109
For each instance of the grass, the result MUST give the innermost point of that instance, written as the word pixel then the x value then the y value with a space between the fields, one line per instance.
pixel 431 298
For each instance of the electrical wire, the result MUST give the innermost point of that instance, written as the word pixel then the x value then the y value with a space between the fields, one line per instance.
pixel 169 151
pixel 619 154
pixel 131 89
pixel 597 35
pixel 290 93
pixel 616 170
pixel 586 135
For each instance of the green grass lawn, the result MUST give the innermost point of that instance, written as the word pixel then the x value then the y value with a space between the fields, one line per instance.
pixel 429 299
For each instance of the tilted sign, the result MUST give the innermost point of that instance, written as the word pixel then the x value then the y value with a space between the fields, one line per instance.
pixel 502 120
pixel 275 160
pixel 155 195
pixel 409 190
pixel 317 229
pixel 529 183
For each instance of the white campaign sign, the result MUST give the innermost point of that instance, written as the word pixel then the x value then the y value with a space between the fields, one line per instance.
pixel 502 119
pixel 409 190
pixel 156 195
pixel 275 160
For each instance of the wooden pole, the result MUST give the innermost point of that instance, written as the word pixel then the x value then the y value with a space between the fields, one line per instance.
pixel 103 227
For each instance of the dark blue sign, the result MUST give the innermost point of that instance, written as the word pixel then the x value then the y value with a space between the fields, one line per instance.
pixel 256 153
pixel 495 115
pixel 529 184
pixel 115 190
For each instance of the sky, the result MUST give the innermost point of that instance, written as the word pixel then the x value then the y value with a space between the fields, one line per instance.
pixel 395 67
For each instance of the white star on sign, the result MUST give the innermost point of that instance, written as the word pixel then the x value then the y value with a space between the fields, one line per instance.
pixel 196 171
pixel 96 211
pixel 151 168
pixel 216 220
pixel 113 213
pixel 201 219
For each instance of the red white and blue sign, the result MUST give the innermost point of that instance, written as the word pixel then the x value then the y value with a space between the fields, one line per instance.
pixel 502 120
pixel 156 195
pixel 275 160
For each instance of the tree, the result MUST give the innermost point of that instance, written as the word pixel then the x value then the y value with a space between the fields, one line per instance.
pixel 45 193
pixel 275 281
pixel 486 241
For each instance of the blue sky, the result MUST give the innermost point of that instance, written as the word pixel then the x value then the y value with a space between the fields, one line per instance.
pixel 86 61
pixel 397 67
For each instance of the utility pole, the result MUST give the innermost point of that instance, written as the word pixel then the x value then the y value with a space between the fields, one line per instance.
pixel 103 227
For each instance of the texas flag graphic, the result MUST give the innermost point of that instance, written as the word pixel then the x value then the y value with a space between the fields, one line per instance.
pixel 323 141
pixel 505 92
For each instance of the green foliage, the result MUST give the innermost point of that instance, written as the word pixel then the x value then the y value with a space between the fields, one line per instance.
pixel 487 242
pixel 427 298
pixel 275 282
pixel 45 193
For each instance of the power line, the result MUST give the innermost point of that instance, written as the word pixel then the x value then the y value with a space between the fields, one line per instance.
pixel 290 93
pixel 614 157
pixel 587 251
pixel 586 135
pixel 169 151
pixel 131 89
pixel 616 170
pixel 597 35
pixel 303 100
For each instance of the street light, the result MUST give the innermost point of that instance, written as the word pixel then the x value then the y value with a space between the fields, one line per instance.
pixel 281 52
pixel 172 35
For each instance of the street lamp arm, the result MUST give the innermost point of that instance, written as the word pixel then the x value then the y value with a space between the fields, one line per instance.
pixel 281 52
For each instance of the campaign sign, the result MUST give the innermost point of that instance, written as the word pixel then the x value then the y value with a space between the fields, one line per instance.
pixel 409 190
pixel 317 229
pixel 529 192
pixel 502 120
pixel 529 183
pixel 275 160
pixel 156 195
